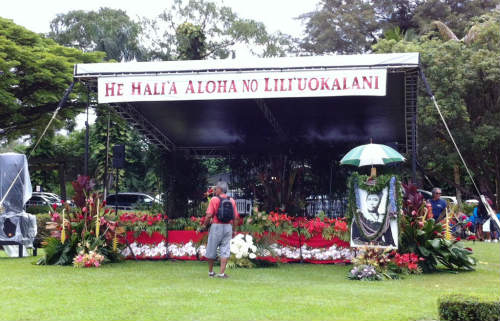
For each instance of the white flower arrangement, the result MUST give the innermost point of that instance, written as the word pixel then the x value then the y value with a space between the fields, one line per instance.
pixel 160 249
pixel 243 248
pixel 320 254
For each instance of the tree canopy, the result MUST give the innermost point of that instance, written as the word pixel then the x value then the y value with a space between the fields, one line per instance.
pixel 208 31
pixel 339 26
pixel 109 30
pixel 34 73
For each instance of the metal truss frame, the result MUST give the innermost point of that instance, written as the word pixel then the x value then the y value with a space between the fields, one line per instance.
pixel 271 119
pixel 128 112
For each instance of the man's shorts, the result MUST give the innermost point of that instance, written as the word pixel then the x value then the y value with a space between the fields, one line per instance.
pixel 219 236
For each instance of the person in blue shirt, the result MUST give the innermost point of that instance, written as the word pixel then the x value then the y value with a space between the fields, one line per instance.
pixel 438 205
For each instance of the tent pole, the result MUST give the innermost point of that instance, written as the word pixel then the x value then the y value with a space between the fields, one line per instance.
pixel 414 148
pixel 86 158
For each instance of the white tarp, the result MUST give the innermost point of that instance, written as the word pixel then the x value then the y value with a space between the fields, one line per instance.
pixel 243 85
pixel 20 193
pixel 390 60
pixel 15 190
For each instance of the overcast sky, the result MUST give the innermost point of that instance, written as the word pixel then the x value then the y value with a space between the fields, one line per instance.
pixel 277 15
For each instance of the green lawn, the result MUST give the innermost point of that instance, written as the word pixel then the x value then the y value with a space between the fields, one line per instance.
pixel 183 291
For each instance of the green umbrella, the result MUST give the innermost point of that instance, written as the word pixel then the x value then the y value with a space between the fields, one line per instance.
pixel 371 154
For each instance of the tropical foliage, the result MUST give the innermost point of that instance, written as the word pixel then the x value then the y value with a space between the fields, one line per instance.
pixel 82 236
pixel 421 235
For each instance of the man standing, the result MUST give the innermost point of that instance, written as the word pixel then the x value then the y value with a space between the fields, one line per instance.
pixel 438 205
pixel 223 214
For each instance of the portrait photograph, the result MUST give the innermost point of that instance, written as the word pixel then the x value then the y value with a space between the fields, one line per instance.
pixel 370 227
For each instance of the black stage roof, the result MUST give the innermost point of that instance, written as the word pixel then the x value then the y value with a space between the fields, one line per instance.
pixel 210 127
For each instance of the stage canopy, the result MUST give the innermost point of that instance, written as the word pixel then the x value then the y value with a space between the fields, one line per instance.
pixel 206 107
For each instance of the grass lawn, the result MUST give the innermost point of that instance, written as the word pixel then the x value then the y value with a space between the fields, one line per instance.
pixel 183 291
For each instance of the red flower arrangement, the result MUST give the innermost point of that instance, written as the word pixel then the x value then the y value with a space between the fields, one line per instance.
pixel 341 226
pixel 408 261
pixel 148 219
pixel 278 218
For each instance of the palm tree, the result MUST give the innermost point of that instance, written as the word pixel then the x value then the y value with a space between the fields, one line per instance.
pixel 447 34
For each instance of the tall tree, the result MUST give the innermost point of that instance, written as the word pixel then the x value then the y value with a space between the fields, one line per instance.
pixel 34 73
pixel 222 31
pixel 339 26
pixel 108 30
pixel 465 77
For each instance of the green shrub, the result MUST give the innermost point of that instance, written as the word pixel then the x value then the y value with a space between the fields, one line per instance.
pixel 468 308
pixel 43 209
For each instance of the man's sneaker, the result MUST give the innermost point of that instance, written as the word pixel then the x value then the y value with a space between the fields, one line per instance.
pixel 487 241
pixel 222 276
pixel 211 274
pixel 495 241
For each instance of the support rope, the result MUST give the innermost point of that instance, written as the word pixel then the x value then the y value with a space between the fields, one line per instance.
pixel 59 106
pixel 483 199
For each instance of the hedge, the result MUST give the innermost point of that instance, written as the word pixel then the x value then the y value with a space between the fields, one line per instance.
pixel 42 209
pixel 468 308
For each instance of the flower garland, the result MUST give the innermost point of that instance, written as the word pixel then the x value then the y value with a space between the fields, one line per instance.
pixel 191 249
pixel 160 250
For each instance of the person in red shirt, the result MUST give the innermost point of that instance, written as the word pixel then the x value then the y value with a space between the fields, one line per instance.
pixel 220 233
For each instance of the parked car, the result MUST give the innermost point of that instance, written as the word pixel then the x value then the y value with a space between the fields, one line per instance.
pixel 450 199
pixel 53 198
pixel 427 195
pixel 130 201
pixel 39 200
pixel 472 202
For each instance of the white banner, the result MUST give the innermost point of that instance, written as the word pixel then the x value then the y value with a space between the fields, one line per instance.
pixel 243 85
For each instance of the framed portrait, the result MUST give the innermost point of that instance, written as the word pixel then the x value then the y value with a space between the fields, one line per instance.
pixel 375 222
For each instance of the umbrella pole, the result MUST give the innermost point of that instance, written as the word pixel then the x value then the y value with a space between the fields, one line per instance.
pixel 373 172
